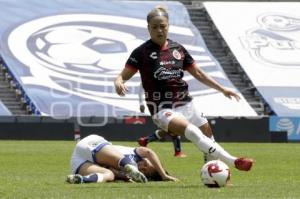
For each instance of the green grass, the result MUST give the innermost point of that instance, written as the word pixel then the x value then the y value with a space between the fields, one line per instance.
pixel 37 169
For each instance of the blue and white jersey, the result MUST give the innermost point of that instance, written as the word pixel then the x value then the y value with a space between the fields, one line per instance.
pixel 87 148
pixel 129 152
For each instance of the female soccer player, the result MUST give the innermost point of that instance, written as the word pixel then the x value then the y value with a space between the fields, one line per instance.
pixel 96 160
pixel 158 134
pixel 161 63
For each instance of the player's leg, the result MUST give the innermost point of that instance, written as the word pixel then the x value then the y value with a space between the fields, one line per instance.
pixel 156 135
pixel 205 128
pixel 207 145
pixel 176 139
pixel 159 134
pixel 110 156
pixel 91 173
pixel 195 116
pixel 176 123
pixel 177 147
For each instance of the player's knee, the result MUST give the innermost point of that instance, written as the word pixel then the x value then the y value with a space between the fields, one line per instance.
pixel 161 133
pixel 109 176
pixel 206 130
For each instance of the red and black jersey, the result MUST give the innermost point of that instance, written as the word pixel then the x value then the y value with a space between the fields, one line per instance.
pixel 161 71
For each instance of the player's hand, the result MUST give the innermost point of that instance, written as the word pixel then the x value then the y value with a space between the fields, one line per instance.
pixel 142 108
pixel 121 88
pixel 230 94
pixel 170 178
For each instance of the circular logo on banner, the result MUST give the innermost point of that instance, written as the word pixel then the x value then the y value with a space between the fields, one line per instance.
pixel 275 41
pixel 81 54
pixel 75 44
pixel 78 54
pixel 285 124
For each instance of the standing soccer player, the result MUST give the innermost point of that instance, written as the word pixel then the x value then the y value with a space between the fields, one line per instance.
pixel 161 63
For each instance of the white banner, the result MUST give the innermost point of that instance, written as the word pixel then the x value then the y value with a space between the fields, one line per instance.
pixel 67 59
pixel 265 39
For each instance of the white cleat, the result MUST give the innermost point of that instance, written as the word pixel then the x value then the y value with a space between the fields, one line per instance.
pixel 74 179
pixel 135 174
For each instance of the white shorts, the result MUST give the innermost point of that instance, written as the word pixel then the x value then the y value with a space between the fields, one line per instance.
pixel 85 151
pixel 187 111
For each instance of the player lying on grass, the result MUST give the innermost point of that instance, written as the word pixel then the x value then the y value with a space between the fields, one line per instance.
pixel 96 160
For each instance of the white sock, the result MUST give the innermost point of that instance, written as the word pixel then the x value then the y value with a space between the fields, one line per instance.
pixel 157 134
pixel 210 157
pixel 100 177
pixel 230 159
pixel 207 145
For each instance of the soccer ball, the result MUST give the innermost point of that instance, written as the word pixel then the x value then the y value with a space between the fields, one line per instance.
pixel 215 173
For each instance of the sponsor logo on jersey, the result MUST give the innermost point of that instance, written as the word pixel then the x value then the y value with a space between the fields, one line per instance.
pixel 164 73
pixel 133 59
pixel 153 55
pixel 164 63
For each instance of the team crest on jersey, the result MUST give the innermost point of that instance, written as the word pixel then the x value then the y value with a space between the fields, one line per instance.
pixel 176 54
pixel 167 114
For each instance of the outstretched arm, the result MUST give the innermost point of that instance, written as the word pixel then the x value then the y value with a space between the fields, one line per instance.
pixel 153 158
pixel 125 75
pixel 207 80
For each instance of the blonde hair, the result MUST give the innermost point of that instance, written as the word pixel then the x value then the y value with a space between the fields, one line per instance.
pixel 157 11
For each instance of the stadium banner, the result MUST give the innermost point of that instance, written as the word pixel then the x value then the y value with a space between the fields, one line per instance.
pixel 289 124
pixel 265 39
pixel 66 55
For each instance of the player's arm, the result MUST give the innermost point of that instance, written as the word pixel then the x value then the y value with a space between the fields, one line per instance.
pixel 153 158
pixel 207 80
pixel 125 75
pixel 141 99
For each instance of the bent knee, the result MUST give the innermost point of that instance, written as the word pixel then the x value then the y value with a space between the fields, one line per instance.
pixel 205 128
pixel 109 176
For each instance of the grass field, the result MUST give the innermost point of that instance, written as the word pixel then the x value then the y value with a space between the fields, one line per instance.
pixel 37 169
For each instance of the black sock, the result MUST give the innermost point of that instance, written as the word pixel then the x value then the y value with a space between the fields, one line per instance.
pixel 90 178
pixel 152 137
pixel 176 143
